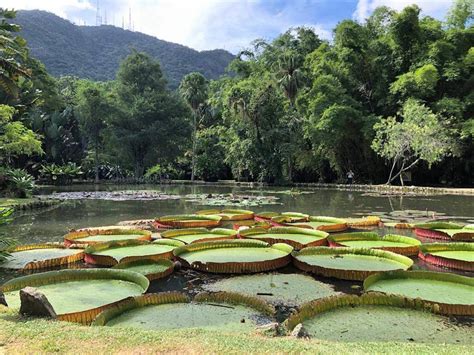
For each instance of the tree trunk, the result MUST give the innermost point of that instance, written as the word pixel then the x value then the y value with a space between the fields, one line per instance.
pixel 139 168
pixel 193 158
pixel 391 171
pixel 96 163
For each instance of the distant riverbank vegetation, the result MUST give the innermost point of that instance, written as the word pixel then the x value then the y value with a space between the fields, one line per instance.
pixel 385 98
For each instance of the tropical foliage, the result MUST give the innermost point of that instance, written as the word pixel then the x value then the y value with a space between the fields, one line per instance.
pixel 386 97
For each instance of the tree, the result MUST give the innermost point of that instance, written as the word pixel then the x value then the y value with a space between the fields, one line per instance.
pixel 151 123
pixel 15 138
pixel 13 53
pixel 194 90
pixel 461 12
pixel 94 109
pixel 420 136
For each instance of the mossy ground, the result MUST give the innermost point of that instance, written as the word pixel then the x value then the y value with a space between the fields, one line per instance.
pixel 21 335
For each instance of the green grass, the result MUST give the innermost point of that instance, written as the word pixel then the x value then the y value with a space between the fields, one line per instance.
pixel 22 335
pixel 13 202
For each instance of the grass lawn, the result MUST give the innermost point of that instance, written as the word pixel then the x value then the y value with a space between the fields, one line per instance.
pixel 22 335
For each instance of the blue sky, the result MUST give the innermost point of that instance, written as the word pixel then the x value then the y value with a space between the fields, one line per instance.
pixel 228 24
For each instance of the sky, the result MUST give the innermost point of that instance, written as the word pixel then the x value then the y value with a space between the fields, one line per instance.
pixel 227 24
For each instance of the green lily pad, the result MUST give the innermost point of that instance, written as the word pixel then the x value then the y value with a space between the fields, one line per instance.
pixel 349 263
pixel 379 318
pixel 78 295
pixel 452 255
pixel 192 235
pixel 40 256
pixel 453 293
pixel 115 252
pixel 189 220
pixel 229 214
pixel 174 311
pixel 234 256
pixel 391 242
pixel 105 234
pixel 109 237
pixel 285 289
pixel 152 269
pixel 296 237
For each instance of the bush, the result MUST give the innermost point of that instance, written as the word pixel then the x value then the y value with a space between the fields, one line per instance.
pixel 16 182
pixel 61 174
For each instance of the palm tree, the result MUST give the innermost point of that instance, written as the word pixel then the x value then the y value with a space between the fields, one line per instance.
pixel 193 89
pixel 290 76
pixel 12 54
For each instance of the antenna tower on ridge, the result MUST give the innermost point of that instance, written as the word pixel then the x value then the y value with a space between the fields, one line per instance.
pixel 98 18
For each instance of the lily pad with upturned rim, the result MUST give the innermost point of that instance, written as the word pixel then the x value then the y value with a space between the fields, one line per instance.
pixel 323 223
pixel 109 254
pixel 189 221
pixel 444 231
pixel 221 311
pixel 41 256
pixel 152 269
pixel 194 235
pixel 234 256
pixel 395 243
pixel 79 295
pixel 90 236
pixel 290 217
pixel 452 293
pixel 458 256
pixel 348 263
pixel 229 214
pixel 296 237
pixel 287 289
pixel 364 222
pixel 377 317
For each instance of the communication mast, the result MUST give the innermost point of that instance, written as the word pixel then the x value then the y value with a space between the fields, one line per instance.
pixel 98 18
pixel 130 19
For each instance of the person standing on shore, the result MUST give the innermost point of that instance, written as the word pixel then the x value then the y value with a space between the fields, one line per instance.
pixel 350 177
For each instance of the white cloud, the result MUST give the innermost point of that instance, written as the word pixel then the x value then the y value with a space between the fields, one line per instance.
pixel 435 8
pixel 58 7
pixel 200 24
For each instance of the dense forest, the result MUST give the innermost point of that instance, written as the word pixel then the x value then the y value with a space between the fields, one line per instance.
pixel 95 52
pixel 387 97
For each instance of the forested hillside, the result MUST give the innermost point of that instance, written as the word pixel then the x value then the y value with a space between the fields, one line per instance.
pixel 95 52
pixel 388 99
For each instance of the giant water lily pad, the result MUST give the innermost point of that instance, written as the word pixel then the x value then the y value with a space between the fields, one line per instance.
pixel 189 221
pixel 290 217
pixel 296 237
pixel 229 214
pixel 234 256
pixel 233 200
pixel 41 256
pixel 79 295
pixel 348 263
pixel 395 243
pixel 377 317
pixel 364 222
pixel 89 236
pixel 288 289
pixel 152 269
pixel 452 293
pixel 222 311
pixel 109 254
pixel 444 231
pixel 193 235
pixel 323 223
pixel 452 255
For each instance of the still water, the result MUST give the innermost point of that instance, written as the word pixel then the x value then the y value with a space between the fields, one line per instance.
pixel 49 225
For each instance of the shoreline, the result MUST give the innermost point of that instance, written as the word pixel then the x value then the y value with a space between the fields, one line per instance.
pixel 382 189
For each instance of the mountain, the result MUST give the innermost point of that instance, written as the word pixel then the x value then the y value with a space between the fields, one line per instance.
pixel 95 52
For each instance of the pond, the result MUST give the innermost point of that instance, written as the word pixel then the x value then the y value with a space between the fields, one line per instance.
pixel 50 224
